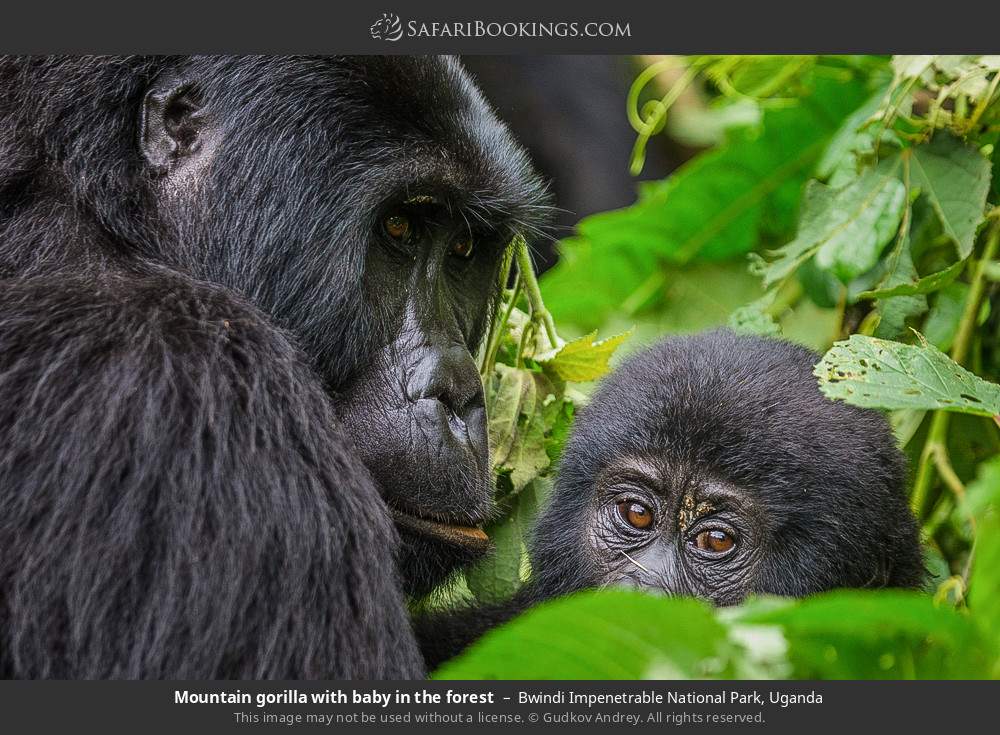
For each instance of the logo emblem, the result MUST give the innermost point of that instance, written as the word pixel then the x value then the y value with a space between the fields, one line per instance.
pixel 387 28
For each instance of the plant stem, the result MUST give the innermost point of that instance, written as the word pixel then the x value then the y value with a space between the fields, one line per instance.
pixel 491 334
pixel 533 292
pixel 937 437
pixel 500 327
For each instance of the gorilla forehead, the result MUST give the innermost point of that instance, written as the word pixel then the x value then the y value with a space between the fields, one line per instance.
pixel 745 409
pixel 405 121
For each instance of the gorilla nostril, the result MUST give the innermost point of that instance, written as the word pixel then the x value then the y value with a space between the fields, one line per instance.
pixel 449 376
pixel 460 403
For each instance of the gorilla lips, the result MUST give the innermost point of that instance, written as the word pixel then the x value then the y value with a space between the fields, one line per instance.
pixel 468 537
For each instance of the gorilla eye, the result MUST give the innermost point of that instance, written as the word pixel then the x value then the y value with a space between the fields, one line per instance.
pixel 397 226
pixel 715 540
pixel 462 248
pixel 636 514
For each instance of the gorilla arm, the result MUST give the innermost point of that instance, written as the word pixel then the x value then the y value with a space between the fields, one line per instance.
pixel 176 498
pixel 444 635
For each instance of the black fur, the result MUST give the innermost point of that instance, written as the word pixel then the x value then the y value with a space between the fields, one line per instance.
pixel 821 483
pixel 178 497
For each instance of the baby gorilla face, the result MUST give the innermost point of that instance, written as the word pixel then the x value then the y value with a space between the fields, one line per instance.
pixel 660 527
pixel 713 466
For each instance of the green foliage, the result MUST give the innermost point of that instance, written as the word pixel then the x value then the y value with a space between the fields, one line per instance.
pixel 878 373
pixel 612 635
pixel 845 229
pixel 628 635
pixel 528 371
pixel 984 508
pixel 849 204
pixel 717 206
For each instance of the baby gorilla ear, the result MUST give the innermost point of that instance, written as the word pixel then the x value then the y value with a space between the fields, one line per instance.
pixel 173 123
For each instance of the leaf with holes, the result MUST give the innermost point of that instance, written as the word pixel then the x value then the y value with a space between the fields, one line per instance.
pixel 876 373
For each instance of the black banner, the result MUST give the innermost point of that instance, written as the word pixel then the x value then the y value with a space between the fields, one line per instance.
pixel 249 707
pixel 514 26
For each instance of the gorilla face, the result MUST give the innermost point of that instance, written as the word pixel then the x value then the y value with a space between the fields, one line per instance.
pixel 417 409
pixel 663 527
pixel 713 466
pixel 372 228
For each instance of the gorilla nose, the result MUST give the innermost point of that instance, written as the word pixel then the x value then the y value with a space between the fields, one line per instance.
pixel 450 376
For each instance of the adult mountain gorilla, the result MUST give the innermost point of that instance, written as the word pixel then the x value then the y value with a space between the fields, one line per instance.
pixel 204 259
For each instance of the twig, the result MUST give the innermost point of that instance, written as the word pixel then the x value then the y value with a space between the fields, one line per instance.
pixel 533 292
pixel 937 438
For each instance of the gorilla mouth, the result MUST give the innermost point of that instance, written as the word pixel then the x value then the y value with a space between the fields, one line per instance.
pixel 470 538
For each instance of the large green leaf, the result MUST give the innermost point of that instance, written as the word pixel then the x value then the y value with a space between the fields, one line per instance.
pixel 877 373
pixel 612 634
pixel 845 228
pixel 591 283
pixel 956 179
pixel 874 634
pixel 617 634
pixel 716 206
pixel 713 207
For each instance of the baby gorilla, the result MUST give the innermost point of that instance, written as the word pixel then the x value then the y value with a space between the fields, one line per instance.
pixel 712 466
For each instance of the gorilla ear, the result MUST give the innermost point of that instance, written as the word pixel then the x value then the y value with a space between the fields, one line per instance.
pixel 172 122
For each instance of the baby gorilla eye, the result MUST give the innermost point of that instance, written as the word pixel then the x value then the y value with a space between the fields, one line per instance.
pixel 462 248
pixel 397 226
pixel 715 540
pixel 636 514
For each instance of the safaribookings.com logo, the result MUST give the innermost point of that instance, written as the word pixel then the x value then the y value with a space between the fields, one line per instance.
pixel 390 28
pixel 387 28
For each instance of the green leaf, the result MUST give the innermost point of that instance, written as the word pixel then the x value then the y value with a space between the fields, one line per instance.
pixel 582 359
pixel 925 285
pixel 716 206
pixel 894 311
pixel 713 206
pixel 983 501
pixel 860 220
pixel 591 283
pixel 874 634
pixel 503 408
pixel 558 416
pixel 517 427
pixel 846 228
pixel 942 322
pixel 956 179
pixel 755 319
pixel 876 373
pixel 610 634
pixel 497 576
pixel 851 139
pixel 527 457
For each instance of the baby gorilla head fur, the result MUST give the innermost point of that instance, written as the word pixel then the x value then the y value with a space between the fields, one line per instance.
pixel 713 466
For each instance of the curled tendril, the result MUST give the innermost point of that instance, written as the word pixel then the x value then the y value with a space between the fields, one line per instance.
pixel 650 118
